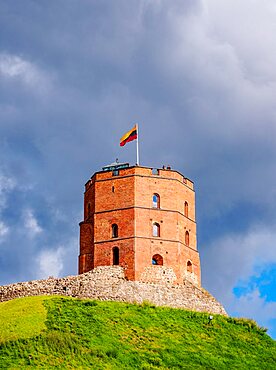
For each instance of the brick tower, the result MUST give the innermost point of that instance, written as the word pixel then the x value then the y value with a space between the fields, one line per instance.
pixel 143 220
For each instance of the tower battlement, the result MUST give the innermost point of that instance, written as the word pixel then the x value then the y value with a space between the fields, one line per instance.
pixel 138 170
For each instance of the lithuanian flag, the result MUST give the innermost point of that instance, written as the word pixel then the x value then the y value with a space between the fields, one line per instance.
pixel 129 136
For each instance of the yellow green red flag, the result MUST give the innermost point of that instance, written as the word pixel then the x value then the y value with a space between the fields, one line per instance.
pixel 129 136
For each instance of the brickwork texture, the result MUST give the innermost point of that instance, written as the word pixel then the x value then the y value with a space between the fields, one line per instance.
pixel 154 212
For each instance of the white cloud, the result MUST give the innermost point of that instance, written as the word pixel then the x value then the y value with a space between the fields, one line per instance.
pixel 253 306
pixel 4 229
pixel 16 68
pixel 50 262
pixel 31 223
pixel 234 86
pixel 237 257
pixel 234 260
pixel 7 184
pixel 250 27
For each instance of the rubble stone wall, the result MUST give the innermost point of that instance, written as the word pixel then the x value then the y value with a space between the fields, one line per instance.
pixel 109 283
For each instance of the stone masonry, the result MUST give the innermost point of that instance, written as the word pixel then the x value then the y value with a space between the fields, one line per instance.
pixel 109 283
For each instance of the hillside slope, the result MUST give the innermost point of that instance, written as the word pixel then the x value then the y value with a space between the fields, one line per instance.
pixel 67 333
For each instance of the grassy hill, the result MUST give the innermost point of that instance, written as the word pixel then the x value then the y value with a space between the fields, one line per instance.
pixel 67 333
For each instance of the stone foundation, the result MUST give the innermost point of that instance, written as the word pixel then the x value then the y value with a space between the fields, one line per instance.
pixel 158 274
pixel 109 283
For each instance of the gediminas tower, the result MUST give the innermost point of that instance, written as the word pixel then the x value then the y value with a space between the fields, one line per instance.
pixel 140 218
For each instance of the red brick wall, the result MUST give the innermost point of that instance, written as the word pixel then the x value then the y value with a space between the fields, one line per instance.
pixel 127 201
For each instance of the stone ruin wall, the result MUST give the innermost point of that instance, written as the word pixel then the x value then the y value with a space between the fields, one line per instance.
pixel 109 283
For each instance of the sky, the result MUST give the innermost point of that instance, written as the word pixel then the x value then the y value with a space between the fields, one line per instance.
pixel 198 76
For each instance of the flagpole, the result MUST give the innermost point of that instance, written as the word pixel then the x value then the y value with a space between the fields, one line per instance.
pixel 137 146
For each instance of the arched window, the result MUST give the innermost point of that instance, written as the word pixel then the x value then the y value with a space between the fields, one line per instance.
pixel 187 238
pixel 114 231
pixel 157 260
pixel 115 255
pixel 155 229
pixel 156 201
pixel 186 209
pixel 189 266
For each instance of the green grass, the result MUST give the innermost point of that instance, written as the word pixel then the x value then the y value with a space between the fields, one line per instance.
pixel 85 334
pixel 22 318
